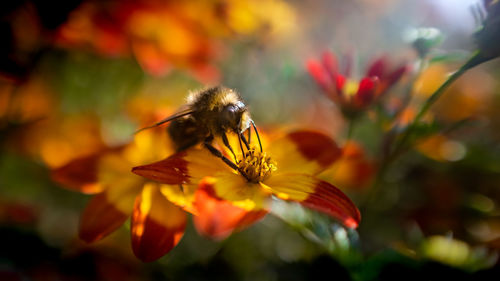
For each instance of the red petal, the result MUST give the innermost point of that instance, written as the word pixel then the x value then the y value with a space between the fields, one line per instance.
pixel 339 83
pixel 172 170
pixel 218 218
pixel 347 62
pixel 79 175
pixel 366 91
pixel 330 63
pixel 315 194
pixel 377 68
pixel 156 226
pixel 319 74
pixel 330 200
pixel 316 146
pixel 394 76
pixel 100 218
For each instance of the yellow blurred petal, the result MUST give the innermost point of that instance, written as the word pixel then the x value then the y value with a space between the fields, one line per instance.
pixel 148 146
pixel 164 212
pixel 291 186
pixel 430 80
pixel 122 194
pixel 447 250
pixel 157 225
pixel 181 197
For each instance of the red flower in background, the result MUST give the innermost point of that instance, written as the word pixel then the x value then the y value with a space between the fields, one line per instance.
pixel 353 95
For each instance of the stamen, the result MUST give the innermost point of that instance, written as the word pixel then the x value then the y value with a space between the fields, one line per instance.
pixel 256 166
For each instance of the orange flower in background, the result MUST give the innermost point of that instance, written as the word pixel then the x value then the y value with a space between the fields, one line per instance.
pixel 227 199
pixel 158 34
pixel 442 148
pixel 353 170
pixel 353 96
pixel 24 103
pixel 29 111
pixel 469 96
pixel 53 139
pixel 163 35
pixel 157 225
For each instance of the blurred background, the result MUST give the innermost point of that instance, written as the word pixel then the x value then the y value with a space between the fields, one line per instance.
pixel 83 75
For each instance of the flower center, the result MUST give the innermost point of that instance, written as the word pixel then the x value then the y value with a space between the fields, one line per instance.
pixel 256 166
pixel 351 88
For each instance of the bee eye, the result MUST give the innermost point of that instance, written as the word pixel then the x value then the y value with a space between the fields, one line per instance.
pixel 231 114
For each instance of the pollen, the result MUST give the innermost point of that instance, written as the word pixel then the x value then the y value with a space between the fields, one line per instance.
pixel 350 88
pixel 256 166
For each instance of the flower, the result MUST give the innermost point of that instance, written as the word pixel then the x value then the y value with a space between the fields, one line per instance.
pixel 287 169
pixel 353 96
pixel 157 225
pixel 163 36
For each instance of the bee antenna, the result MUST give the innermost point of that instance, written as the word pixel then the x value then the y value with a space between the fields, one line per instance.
pixel 170 118
pixel 249 135
pixel 256 133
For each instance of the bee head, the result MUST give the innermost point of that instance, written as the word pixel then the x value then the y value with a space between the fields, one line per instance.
pixel 235 116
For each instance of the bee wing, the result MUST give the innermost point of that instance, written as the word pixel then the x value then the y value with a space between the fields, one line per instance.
pixel 179 114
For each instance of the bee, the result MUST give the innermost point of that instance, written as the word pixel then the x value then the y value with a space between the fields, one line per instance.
pixel 211 113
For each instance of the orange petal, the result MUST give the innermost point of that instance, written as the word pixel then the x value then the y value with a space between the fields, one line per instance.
pixel 79 174
pixel 218 218
pixel 157 225
pixel 304 151
pixel 100 218
pixel 315 194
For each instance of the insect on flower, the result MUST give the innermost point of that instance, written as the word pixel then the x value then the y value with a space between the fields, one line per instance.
pixel 208 114
pixel 286 169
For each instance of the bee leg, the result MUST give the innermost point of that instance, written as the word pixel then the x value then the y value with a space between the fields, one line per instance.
pixel 181 187
pixel 219 154
pixel 241 144
pixel 226 143
pixel 245 141
pixel 257 133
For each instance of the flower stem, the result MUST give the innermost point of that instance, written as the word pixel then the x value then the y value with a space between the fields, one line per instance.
pixel 476 59
pixel 350 130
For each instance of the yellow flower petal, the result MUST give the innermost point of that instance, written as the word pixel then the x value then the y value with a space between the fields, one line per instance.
pixel 235 188
pixel 157 225
pixel 304 151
